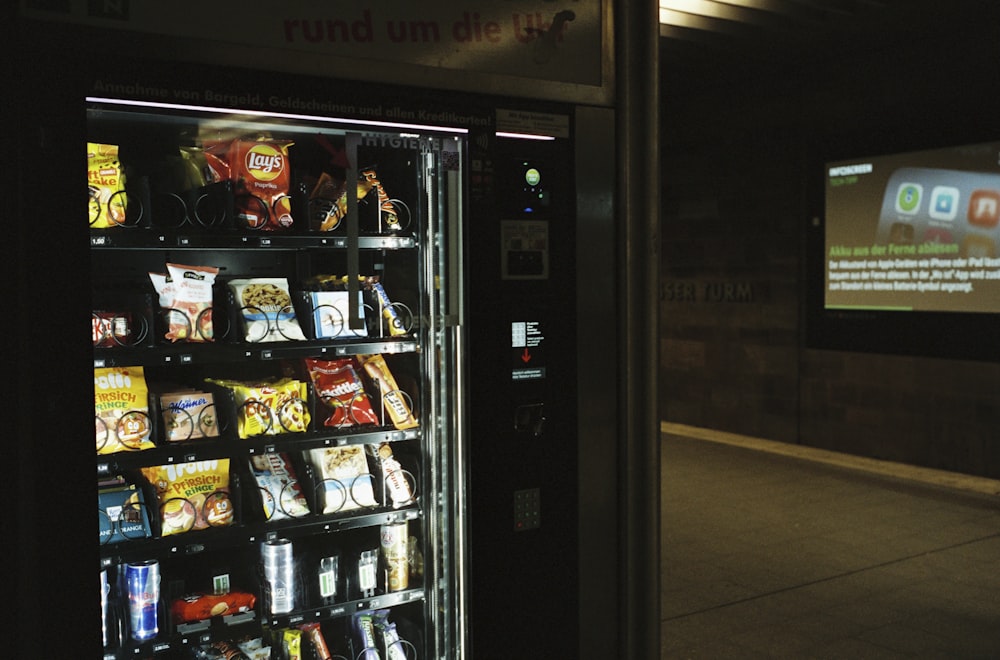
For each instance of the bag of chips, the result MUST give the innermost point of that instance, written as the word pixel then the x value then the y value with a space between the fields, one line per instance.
pixel 261 178
pixel 268 408
pixel 327 203
pixel 185 296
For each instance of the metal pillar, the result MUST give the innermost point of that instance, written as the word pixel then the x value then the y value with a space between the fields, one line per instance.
pixel 637 103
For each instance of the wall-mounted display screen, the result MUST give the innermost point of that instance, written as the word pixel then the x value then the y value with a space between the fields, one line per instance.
pixel 916 231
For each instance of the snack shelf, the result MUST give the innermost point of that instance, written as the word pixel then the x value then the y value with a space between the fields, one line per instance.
pixel 317 439
pixel 252 534
pixel 220 628
pixel 222 352
pixel 229 627
pixel 203 450
pixel 346 608
pixel 138 238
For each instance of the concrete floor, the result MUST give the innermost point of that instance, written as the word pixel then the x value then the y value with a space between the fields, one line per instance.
pixel 769 555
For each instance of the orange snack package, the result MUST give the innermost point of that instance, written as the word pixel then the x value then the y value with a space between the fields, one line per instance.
pixel 262 181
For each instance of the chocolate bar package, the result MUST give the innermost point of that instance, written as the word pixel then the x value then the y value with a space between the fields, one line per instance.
pixel 122 513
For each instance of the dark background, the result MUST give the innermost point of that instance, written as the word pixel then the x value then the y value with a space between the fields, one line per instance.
pixel 748 119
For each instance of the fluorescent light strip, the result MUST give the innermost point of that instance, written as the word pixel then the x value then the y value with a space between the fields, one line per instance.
pixel 696 7
pixel 277 115
pixel 694 13
pixel 712 7
pixel 524 136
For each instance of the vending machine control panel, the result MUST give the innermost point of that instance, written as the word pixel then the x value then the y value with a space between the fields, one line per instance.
pixel 525 235
pixel 523 447
pixel 525 249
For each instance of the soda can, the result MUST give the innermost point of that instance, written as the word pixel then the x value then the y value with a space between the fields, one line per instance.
pixel 142 583
pixel 279 573
pixel 395 544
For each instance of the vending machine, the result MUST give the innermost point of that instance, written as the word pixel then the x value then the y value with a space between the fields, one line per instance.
pixel 331 334
pixel 276 328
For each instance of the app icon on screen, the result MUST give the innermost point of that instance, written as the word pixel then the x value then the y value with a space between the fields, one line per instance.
pixel 901 233
pixel 908 198
pixel 979 247
pixel 984 208
pixel 938 235
pixel 944 203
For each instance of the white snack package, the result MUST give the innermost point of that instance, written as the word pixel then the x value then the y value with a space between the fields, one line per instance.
pixel 266 306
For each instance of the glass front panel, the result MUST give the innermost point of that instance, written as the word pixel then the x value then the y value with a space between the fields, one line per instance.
pixel 276 328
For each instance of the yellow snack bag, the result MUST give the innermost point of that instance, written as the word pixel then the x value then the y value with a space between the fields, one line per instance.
pixel 192 495
pixel 269 408
pixel 292 639
pixel 105 186
pixel 121 410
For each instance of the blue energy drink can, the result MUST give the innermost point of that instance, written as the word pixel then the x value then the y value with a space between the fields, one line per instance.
pixel 142 583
